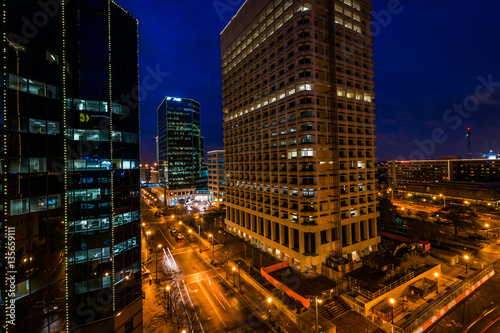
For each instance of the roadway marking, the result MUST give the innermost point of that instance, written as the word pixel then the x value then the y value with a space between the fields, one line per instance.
pixel 159 229
pixel 202 279
pixel 186 276
pixel 182 250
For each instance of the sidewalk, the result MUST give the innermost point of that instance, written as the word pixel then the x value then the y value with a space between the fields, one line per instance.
pixel 153 309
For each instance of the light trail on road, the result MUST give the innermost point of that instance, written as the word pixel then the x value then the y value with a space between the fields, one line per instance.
pixel 216 292
pixel 185 310
pixel 191 301
pixel 212 304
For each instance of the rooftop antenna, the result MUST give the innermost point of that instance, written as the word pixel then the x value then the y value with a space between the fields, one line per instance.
pixel 469 153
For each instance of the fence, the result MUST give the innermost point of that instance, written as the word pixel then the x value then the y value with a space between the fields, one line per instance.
pixel 352 285
pixel 420 324
pixel 265 274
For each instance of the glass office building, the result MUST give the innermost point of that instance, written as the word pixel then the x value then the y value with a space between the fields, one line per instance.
pixel 181 148
pixel 71 166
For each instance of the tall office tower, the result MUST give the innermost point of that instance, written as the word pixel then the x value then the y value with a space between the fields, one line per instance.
pixel 181 148
pixel 70 167
pixel 216 177
pixel 298 128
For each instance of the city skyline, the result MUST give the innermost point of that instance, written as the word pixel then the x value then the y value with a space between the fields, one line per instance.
pixel 411 100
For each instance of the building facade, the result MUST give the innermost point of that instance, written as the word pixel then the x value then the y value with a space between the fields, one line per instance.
pixel 216 177
pixel 181 148
pixel 407 173
pixel 71 167
pixel 298 128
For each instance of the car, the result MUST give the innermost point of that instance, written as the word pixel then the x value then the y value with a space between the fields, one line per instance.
pixel 173 231
pixel 145 271
pixel 179 236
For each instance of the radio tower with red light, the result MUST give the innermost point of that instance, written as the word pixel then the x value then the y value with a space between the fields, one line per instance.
pixel 469 153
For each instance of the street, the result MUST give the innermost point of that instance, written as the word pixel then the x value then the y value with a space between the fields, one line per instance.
pixel 219 309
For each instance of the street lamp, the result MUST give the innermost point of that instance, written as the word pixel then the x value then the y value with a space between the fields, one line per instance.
pixel 168 302
pixel 213 255
pixel 444 199
pixel 487 226
pixel 234 276
pixel 317 316
pixel 436 275
pixel 466 263
pixel 392 306
pixel 199 236
pixel 269 300
pixel 157 248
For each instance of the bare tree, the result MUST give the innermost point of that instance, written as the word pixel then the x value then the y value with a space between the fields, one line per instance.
pixel 460 216
pixel 412 261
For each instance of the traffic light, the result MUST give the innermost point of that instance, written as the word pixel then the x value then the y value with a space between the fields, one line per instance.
pixel 314 329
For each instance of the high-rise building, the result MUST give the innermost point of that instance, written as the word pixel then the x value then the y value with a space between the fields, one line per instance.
pixel 181 148
pixel 299 128
pixel 70 156
pixel 216 177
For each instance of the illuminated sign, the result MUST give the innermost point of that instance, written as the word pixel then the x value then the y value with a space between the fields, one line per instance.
pixel 84 118
pixel 175 99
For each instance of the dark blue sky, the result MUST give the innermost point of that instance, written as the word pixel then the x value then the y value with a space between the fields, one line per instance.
pixel 430 58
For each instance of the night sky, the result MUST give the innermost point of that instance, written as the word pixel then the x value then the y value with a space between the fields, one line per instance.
pixel 430 58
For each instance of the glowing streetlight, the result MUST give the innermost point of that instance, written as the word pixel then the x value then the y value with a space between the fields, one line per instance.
pixel 269 300
pixel 392 306
pixel 317 315
pixel 234 276
pixel 436 275
pixel 168 301
pixel 466 263
pixel 444 199
pixel 157 248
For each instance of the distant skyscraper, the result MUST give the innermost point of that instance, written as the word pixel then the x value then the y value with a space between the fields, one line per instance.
pixel 216 177
pixel 298 128
pixel 70 160
pixel 181 148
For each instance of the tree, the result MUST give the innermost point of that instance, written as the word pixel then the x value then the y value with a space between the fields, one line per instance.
pixel 460 217
pixel 412 261
pixel 439 235
pixel 421 225
pixel 215 214
pixel 422 216
pixel 388 212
